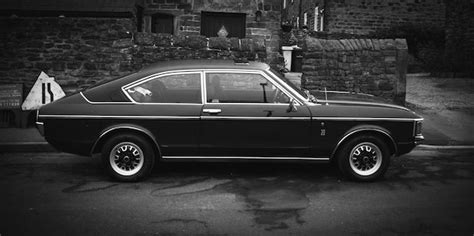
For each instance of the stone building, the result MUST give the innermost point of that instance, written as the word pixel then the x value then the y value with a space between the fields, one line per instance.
pixel 358 18
pixel 256 19
pixel 362 16
pixel 82 42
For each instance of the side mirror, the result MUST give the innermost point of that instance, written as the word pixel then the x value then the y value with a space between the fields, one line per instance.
pixel 292 106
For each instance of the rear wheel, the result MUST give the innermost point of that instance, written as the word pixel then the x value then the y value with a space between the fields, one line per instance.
pixel 128 157
pixel 364 158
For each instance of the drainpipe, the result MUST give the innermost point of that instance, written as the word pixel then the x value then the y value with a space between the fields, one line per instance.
pixel 300 12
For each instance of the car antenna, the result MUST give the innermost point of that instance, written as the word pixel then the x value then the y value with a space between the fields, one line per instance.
pixel 326 95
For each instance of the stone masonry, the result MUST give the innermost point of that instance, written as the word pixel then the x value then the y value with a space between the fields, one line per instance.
pixel 372 66
pixel 79 52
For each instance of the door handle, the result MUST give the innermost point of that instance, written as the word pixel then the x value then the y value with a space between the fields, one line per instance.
pixel 212 111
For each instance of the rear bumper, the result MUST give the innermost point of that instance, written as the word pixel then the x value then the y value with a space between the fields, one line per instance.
pixel 79 148
pixel 40 127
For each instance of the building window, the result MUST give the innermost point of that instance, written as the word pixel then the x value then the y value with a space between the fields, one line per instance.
pixel 318 19
pixel 162 23
pixel 229 24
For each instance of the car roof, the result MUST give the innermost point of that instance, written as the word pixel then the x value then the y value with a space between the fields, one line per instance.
pixel 201 64
pixel 100 92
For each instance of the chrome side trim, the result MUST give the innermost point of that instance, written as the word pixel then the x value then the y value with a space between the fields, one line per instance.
pixel 251 104
pixel 172 117
pixel 246 158
pixel 94 103
pixel 361 130
pixel 366 118
pixel 125 127
pixel 121 117
pixel 363 103
pixel 252 118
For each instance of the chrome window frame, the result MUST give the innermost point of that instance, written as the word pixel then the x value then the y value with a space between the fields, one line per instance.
pixel 271 79
pixel 300 99
pixel 157 76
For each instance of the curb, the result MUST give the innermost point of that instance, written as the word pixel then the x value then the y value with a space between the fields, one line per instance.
pixel 26 147
pixel 427 146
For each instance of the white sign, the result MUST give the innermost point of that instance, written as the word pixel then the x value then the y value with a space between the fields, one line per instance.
pixel 44 91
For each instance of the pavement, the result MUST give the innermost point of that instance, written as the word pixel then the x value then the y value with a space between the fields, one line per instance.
pixel 426 192
pixel 446 104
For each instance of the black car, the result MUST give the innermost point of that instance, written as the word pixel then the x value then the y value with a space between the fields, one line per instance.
pixel 223 110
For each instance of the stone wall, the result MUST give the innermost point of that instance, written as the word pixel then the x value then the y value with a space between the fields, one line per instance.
pixel 371 66
pixel 187 17
pixel 79 52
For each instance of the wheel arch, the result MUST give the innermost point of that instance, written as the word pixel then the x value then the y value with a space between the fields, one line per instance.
pixel 124 128
pixel 371 130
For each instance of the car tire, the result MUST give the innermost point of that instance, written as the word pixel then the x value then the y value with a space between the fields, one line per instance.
pixel 128 157
pixel 364 158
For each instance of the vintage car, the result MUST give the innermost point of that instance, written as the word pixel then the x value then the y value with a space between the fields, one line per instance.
pixel 224 110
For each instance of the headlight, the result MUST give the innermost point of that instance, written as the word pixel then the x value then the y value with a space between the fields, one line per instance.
pixel 418 127
pixel 417 131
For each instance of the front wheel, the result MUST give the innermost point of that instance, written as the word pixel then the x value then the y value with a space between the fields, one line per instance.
pixel 364 158
pixel 128 157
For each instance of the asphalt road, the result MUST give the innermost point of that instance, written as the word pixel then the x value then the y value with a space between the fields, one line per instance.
pixel 427 192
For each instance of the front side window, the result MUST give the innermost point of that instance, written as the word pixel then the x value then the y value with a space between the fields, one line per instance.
pixel 176 88
pixel 242 88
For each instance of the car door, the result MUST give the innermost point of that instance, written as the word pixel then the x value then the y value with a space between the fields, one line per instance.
pixel 169 105
pixel 246 113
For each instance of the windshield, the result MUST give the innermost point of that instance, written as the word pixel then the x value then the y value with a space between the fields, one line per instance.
pixel 287 81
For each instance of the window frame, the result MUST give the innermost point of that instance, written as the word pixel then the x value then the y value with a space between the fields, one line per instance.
pixel 266 76
pixel 269 75
pixel 154 17
pixel 160 75
pixel 205 15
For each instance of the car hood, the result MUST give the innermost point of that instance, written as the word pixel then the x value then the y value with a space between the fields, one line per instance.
pixel 360 109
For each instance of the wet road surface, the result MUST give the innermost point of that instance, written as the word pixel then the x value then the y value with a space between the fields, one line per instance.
pixel 427 192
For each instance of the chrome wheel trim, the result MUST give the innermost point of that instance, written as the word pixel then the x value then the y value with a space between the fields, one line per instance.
pixel 365 159
pixel 126 158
